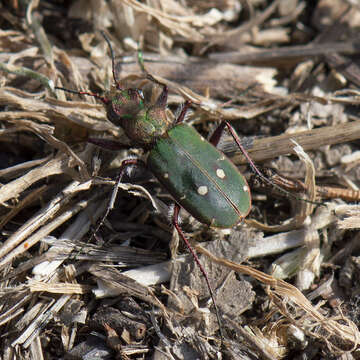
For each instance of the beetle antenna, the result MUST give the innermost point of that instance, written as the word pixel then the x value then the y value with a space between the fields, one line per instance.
pixel 97 96
pixel 116 80
pixel 140 58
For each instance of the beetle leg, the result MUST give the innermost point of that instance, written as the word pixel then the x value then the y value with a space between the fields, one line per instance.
pixel 162 99
pixel 182 114
pixel 216 135
pixel 256 170
pixel 248 158
pixel 215 138
pixel 198 263
pixel 108 144
pixel 124 165
pixel 161 102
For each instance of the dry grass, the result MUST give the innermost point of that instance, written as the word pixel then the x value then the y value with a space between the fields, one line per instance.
pixel 285 74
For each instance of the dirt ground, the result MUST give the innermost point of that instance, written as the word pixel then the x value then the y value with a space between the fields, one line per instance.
pixel 285 279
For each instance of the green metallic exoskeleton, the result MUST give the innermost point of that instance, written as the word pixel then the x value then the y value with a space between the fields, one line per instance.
pixel 142 123
pixel 199 177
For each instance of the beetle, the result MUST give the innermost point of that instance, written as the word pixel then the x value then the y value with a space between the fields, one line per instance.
pixel 200 178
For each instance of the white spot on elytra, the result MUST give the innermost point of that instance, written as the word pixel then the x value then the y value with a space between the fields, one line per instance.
pixel 202 139
pixel 166 175
pixel 202 190
pixel 220 173
pixel 245 188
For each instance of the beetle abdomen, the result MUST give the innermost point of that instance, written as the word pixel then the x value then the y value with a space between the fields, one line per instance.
pixel 200 177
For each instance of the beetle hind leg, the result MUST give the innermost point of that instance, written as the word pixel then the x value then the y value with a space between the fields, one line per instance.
pixel 198 263
pixel 255 169
pixel 215 138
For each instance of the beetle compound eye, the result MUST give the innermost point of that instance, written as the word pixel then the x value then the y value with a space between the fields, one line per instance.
pixel 141 94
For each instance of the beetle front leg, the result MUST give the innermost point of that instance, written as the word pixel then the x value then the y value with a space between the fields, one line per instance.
pixel 108 144
pixel 193 253
pixel 161 102
pixel 124 165
pixel 216 135
pixel 183 112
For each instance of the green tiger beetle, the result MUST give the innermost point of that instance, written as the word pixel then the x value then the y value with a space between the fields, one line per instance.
pixel 200 178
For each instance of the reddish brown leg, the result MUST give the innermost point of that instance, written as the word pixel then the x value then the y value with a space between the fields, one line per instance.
pixel 251 163
pixel 216 135
pixel 182 114
pixel 187 243
pixel 126 163
pixel 215 138
pixel 162 99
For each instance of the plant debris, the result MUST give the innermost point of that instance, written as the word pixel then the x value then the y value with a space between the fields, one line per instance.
pixel 286 75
